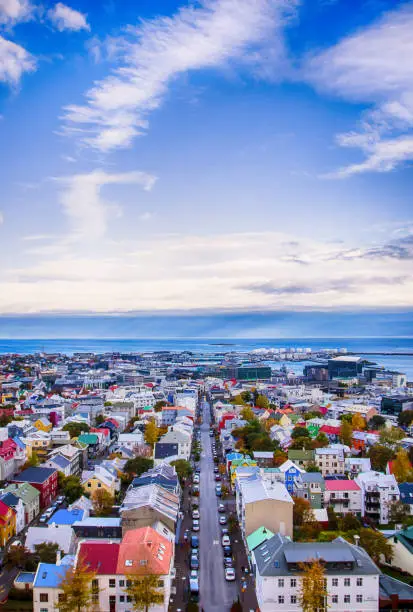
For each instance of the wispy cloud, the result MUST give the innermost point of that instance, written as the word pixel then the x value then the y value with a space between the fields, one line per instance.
pixel 373 66
pixel 82 202
pixel 13 11
pixel 14 61
pixel 155 53
pixel 63 17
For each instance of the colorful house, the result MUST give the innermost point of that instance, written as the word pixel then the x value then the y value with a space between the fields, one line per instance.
pixel 290 471
pixel 7 523
pixel 43 479
pixel 246 461
pixel 43 424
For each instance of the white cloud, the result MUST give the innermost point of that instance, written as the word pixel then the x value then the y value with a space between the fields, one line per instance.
pixel 374 66
pixel 14 61
pixel 216 271
pixel 13 11
pixel 65 18
pixel 156 52
pixel 82 202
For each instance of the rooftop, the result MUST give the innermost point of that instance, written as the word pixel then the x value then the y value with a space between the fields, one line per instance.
pixel 49 575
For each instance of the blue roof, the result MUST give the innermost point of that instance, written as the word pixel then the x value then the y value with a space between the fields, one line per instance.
pixel 25 577
pixel 66 517
pixel 34 474
pixel 19 442
pixel 49 575
pixel 406 492
pixel 62 462
pixel 9 499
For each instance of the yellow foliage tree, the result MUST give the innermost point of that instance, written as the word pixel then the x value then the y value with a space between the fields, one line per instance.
pixel 346 433
pixel 402 468
pixel 312 594
pixel 102 502
pixel 144 592
pixel 358 422
pixel 78 591
pixel 247 413
pixel 151 433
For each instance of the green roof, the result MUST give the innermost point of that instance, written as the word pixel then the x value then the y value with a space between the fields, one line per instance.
pixel 147 408
pixel 306 455
pixel 88 438
pixel 406 538
pixel 257 537
pixel 25 491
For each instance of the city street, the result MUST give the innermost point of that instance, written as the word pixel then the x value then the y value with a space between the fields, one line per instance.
pixel 217 595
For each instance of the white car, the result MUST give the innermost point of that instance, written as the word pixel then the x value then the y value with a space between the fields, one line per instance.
pixel 229 574
pixel 193 575
pixel 196 479
pixel 195 525
pixel 195 514
pixel 226 540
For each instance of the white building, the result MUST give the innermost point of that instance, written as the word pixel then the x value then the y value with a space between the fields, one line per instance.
pixel 352 577
pixel 378 492
pixel 329 460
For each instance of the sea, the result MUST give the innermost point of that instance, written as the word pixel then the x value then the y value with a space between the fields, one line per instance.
pixel 398 351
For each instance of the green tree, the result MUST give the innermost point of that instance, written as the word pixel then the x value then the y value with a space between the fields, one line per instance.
pixel 151 433
pixel 300 432
pixel 312 467
pixel 391 436
pixel 349 522
pixel 321 441
pixel 312 593
pixel 238 400
pixel 183 469
pixel 144 592
pixel 301 443
pixel 102 502
pixel 379 456
pixel 262 402
pixel 406 418
pixel 33 461
pixel 376 422
pixel 398 512
pixel 100 419
pixel 77 589
pixel 346 433
pixel 70 486
pixel 246 396
pixel 75 429
pixel 159 405
pixel 17 556
pixel 46 552
pixel 138 465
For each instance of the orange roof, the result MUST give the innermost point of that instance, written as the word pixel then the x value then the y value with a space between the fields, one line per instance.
pixel 144 551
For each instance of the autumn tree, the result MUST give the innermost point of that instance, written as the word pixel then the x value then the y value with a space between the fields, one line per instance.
pixel 262 402
pixel 46 552
pixel 151 432
pixel 376 422
pixel 238 400
pixel 279 457
pixel 77 589
pixel 270 422
pixel 247 413
pixel 402 468
pixel 159 405
pixel 391 436
pixel 144 592
pixel 321 441
pixel 312 592
pixel 300 432
pixel 379 455
pixel 302 512
pixel 346 433
pixel 102 502
pixel 375 544
pixel 358 422
pixel 406 418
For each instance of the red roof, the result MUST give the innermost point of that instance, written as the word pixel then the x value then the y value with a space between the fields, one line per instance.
pixel 4 509
pixel 329 429
pixel 102 557
pixel 341 485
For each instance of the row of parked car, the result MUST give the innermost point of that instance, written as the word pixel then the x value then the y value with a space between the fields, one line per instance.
pixel 50 511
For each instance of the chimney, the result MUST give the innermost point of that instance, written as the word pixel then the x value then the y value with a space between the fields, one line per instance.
pixel 357 539
pixel 58 557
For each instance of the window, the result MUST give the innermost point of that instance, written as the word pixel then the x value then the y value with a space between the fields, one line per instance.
pixel 280 599
pixel 121 583
pixel 280 582
pixel 359 581
pixel 44 597
pixel 335 582
pixel 44 610
pixel 334 599
pixel 346 581
pixel 293 599
pixel 128 598
pixel 112 583
pixel 160 584
pixel 121 598
pixel 359 598
pixel 346 598
pixel 128 583
pixel 99 484
pixel 143 562
pixel 89 484
pixel 293 582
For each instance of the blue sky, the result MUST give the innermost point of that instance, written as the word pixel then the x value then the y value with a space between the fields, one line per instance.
pixel 224 155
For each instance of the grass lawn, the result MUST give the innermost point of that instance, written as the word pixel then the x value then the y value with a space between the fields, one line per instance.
pixel 395 574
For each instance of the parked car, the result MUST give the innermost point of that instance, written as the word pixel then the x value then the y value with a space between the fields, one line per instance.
pixel 196 479
pixel 195 514
pixel 194 574
pixel 43 518
pixel 195 525
pixel 222 520
pixel 221 508
pixel 227 551
pixel 194 541
pixel 227 561
pixel 217 477
pixel 226 540
pixel 216 470
pixel 224 531
pixel 229 574
pixel 194 562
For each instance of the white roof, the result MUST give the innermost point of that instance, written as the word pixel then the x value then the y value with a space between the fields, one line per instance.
pixel 256 489
pixel 63 536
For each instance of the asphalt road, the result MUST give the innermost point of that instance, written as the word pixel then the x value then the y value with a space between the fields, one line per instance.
pixel 217 595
